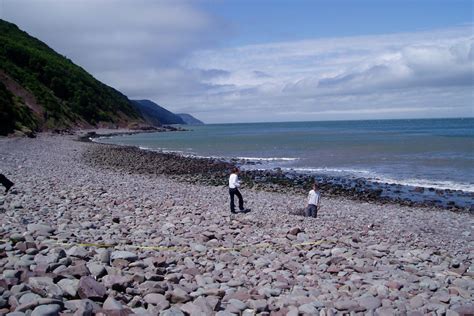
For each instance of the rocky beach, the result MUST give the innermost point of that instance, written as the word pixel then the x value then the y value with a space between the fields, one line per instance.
pixel 82 234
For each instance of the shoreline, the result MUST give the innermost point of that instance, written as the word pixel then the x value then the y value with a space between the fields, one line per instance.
pixel 277 179
pixel 78 238
pixel 86 135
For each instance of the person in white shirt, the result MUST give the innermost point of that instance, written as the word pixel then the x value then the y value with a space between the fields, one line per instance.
pixel 234 185
pixel 313 201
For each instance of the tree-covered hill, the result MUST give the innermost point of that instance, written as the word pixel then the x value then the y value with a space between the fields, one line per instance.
pixel 189 119
pixel 42 90
pixel 155 114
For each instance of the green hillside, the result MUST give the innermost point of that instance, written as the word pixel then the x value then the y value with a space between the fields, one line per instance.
pixel 40 89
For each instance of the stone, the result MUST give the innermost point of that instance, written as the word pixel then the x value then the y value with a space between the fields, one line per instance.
pixel 28 298
pixel 294 231
pixel 467 309
pixel 214 292
pixel 337 251
pixel 104 255
pixel 309 309
pixel 45 285
pixel 394 285
pixel 178 295
pixel 78 252
pixel 429 284
pixel 346 305
pixel 258 305
pixel 47 310
pixel 334 269
pixel 116 282
pixel 17 238
pixel 235 283
pixel 248 312
pixel 40 229
pixel 235 306
pixel 442 296
pixel 11 274
pixel 96 269
pixel 17 289
pixel 199 248
pixel 125 255
pixel 90 288
pixel 79 269
pixel 83 307
pixel 206 304
pixel 158 300
pixel 191 309
pixel 48 259
pixel 69 286
pixel 112 304
pixel 173 311
pixel 386 311
pixel 370 302
pixel 416 302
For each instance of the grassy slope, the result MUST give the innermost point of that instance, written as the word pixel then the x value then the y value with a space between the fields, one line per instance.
pixel 68 94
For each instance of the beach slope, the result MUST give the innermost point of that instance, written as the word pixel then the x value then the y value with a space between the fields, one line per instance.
pixel 76 237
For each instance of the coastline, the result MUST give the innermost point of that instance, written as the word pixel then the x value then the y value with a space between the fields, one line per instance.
pixel 357 256
pixel 277 179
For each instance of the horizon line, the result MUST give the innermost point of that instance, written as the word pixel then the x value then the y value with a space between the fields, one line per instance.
pixel 350 120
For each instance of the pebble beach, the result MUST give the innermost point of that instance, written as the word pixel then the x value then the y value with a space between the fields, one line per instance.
pixel 78 238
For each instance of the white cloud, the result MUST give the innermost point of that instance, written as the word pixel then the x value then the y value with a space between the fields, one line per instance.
pixel 398 75
pixel 134 46
pixel 166 51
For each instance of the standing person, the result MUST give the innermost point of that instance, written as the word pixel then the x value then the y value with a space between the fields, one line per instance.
pixel 234 185
pixel 313 201
pixel 5 182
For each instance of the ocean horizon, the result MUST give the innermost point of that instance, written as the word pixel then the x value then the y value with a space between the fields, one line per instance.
pixel 435 153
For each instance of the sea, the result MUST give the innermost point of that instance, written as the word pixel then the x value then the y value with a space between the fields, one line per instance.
pixel 432 153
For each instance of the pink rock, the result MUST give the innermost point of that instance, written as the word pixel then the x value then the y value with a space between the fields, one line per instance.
pixel 394 285
pixel 294 231
pixel 90 288
pixel 78 270
pixel 333 269
pixel 116 282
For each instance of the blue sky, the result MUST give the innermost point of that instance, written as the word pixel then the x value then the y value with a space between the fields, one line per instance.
pixel 253 22
pixel 252 61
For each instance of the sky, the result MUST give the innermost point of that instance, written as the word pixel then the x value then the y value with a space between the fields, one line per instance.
pixel 263 61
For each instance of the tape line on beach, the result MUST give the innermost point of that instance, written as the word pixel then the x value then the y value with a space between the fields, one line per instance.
pixel 185 248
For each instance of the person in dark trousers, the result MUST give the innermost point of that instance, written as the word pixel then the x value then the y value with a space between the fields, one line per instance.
pixel 234 185
pixel 313 201
pixel 5 182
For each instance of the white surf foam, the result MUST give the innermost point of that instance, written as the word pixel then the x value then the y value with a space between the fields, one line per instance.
pixel 377 178
pixel 443 185
pixel 267 159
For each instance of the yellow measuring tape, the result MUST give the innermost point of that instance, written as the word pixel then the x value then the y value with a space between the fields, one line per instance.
pixel 182 248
